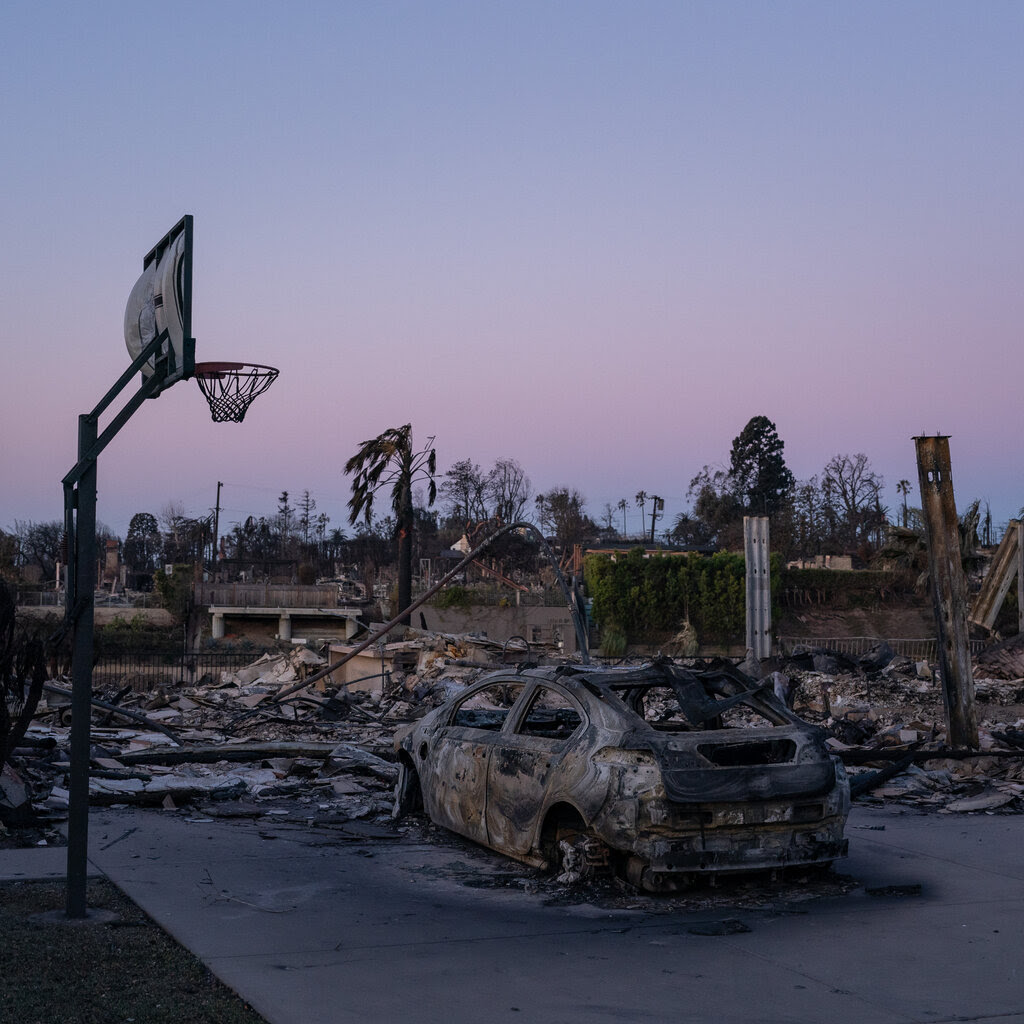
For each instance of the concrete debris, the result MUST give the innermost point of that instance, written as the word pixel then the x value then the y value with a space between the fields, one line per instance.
pixel 888 725
pixel 233 739
pixel 877 658
pixel 241 744
pixel 1002 660
pixel 14 795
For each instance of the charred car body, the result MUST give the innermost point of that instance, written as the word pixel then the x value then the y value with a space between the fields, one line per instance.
pixel 666 772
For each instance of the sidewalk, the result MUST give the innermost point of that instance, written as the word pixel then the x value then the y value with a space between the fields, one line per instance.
pixel 312 929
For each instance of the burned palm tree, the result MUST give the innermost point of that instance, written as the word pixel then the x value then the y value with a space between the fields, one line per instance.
pixel 389 459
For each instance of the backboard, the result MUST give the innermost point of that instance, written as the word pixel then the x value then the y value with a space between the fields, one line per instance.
pixel 162 301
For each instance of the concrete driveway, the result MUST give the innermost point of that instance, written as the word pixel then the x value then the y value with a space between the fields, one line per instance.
pixel 316 927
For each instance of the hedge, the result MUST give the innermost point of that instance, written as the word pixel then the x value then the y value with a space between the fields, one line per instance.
pixel 645 598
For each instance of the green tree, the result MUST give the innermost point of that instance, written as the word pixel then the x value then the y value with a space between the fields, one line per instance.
pixel 143 544
pixel 758 470
pixel 689 532
pixel 903 488
pixel 307 503
pixel 8 555
pixel 177 594
pixel 284 521
pixel 41 546
pixel 716 509
pixel 390 459
pixel 562 513
pixel 641 502
pixel 462 493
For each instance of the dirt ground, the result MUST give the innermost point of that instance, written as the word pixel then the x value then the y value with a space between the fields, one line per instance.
pixel 906 621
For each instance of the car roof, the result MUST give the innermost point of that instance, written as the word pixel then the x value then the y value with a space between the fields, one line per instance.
pixel 705 688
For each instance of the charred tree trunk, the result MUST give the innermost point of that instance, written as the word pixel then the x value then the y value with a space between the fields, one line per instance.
pixel 405 527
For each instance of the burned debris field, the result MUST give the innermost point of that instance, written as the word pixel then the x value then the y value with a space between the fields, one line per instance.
pixel 257 743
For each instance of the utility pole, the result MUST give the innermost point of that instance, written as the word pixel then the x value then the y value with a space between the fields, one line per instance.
pixel 949 589
pixel 658 504
pixel 216 531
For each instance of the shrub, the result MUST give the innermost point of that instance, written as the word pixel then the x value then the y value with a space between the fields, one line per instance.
pixel 453 597
pixel 646 598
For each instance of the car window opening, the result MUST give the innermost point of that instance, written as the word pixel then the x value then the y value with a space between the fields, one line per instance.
pixel 661 708
pixel 488 708
pixel 550 716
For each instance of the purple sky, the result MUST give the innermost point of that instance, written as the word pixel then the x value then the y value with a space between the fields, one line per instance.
pixel 594 237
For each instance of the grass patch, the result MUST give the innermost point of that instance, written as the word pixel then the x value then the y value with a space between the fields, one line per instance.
pixel 128 970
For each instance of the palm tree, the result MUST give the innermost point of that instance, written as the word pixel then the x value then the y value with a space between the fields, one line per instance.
pixel 622 507
pixel 386 459
pixel 641 500
pixel 903 487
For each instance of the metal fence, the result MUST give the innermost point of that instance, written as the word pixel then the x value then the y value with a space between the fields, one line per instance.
pixel 31 597
pixel 147 669
pixel 855 646
pixel 271 595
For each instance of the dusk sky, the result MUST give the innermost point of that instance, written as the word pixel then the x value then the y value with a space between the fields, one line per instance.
pixel 593 237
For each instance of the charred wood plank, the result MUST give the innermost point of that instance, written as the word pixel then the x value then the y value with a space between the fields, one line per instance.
pixel 134 716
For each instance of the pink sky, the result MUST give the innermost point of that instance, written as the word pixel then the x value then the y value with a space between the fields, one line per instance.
pixel 596 238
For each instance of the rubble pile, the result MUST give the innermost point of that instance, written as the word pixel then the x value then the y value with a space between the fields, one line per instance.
pixel 256 735
pixel 886 720
pixel 261 737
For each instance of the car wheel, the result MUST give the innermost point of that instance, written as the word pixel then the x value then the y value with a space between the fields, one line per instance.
pixel 572 851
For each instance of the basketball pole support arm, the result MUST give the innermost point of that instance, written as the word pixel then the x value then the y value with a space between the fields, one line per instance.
pixel 80 531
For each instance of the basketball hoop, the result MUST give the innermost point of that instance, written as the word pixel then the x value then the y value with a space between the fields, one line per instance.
pixel 230 388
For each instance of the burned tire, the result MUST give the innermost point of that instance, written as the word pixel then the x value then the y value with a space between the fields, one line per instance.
pixel 572 851
pixel 408 792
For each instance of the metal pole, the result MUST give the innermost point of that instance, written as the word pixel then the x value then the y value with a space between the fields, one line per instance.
pixel 216 532
pixel 81 608
pixel 759 596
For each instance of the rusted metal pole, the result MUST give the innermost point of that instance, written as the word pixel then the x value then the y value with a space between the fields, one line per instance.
pixel 949 589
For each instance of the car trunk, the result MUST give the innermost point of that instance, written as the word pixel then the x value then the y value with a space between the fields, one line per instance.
pixel 766 764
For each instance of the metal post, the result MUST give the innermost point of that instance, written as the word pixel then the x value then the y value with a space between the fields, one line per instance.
pixel 80 605
pixel 216 533
pixel 759 595
pixel 80 526
pixel 949 589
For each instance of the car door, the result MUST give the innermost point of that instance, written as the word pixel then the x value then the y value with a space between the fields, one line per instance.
pixel 455 795
pixel 525 761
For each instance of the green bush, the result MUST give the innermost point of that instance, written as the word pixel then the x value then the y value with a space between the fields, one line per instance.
pixel 137 634
pixel 647 598
pixel 613 642
pixel 453 597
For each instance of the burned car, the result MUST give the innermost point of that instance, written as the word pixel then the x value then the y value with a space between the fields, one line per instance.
pixel 663 772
